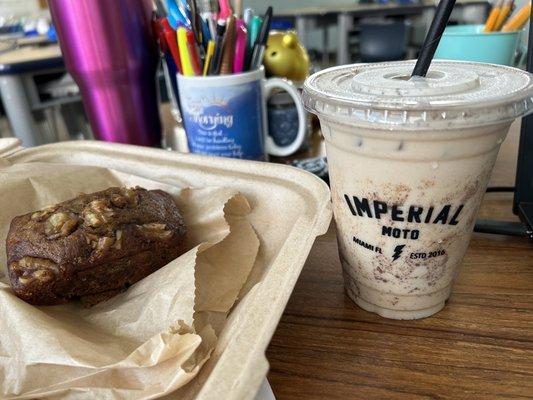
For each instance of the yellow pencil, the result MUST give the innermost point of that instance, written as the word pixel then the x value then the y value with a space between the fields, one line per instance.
pixel 518 20
pixel 186 61
pixel 208 56
pixel 493 17
pixel 504 13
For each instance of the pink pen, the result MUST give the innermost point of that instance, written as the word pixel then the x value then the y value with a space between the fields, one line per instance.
pixel 240 47
pixel 225 9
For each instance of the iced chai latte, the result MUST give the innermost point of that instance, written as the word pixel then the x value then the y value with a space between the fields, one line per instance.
pixel 409 162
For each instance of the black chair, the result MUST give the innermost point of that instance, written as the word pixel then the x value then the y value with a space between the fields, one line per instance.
pixel 382 41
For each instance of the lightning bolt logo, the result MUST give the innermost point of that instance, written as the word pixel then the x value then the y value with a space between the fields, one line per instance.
pixel 398 250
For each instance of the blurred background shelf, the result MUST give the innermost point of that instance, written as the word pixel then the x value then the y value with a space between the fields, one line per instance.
pixel 346 18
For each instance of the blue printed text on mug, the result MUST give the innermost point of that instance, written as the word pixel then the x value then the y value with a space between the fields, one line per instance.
pixel 224 121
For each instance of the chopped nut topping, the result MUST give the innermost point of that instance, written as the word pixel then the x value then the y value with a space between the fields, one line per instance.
pixel 92 219
pixel 155 226
pixel 104 243
pixel 118 241
pixel 44 213
pixel 156 230
pixel 43 275
pixel 100 205
pixel 91 239
pixel 69 226
pixel 35 268
pixel 97 213
pixel 36 263
pixel 59 225
pixel 127 197
pixel 57 220
pixel 131 195
pixel 118 200
pixel 25 279
pixel 165 234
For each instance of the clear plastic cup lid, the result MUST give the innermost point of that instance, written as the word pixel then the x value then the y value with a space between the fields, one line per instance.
pixel 453 94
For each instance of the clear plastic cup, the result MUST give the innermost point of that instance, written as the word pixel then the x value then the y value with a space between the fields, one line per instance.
pixel 409 162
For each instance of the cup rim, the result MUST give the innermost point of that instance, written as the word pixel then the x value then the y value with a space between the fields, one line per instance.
pixel 337 100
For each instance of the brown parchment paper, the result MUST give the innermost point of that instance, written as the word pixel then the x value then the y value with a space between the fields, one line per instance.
pixel 151 339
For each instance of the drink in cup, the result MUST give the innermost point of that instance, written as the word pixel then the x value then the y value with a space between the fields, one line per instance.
pixel 409 161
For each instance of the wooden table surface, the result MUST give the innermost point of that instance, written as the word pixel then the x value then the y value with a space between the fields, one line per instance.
pixel 479 347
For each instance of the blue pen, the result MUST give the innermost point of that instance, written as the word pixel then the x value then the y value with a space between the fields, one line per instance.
pixel 172 71
pixel 206 37
pixel 175 16
pixel 185 10
pixel 209 12
pixel 172 21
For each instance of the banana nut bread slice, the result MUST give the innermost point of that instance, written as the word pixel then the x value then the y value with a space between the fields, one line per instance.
pixel 94 246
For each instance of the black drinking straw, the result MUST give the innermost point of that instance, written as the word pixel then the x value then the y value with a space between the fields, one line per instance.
pixel 442 15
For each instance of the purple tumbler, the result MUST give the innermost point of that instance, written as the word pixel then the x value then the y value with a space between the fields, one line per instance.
pixel 110 51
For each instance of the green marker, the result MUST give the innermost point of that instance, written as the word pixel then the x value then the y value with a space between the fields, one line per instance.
pixel 253 30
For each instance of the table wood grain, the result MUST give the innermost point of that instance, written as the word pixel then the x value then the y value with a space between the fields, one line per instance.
pixel 479 347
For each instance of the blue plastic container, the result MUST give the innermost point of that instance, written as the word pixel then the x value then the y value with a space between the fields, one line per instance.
pixel 470 43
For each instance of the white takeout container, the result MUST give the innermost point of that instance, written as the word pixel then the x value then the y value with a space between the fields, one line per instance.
pixel 290 208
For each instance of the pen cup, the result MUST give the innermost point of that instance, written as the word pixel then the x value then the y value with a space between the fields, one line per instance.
pixel 226 115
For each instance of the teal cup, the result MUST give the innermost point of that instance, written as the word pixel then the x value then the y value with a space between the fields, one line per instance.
pixel 470 43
